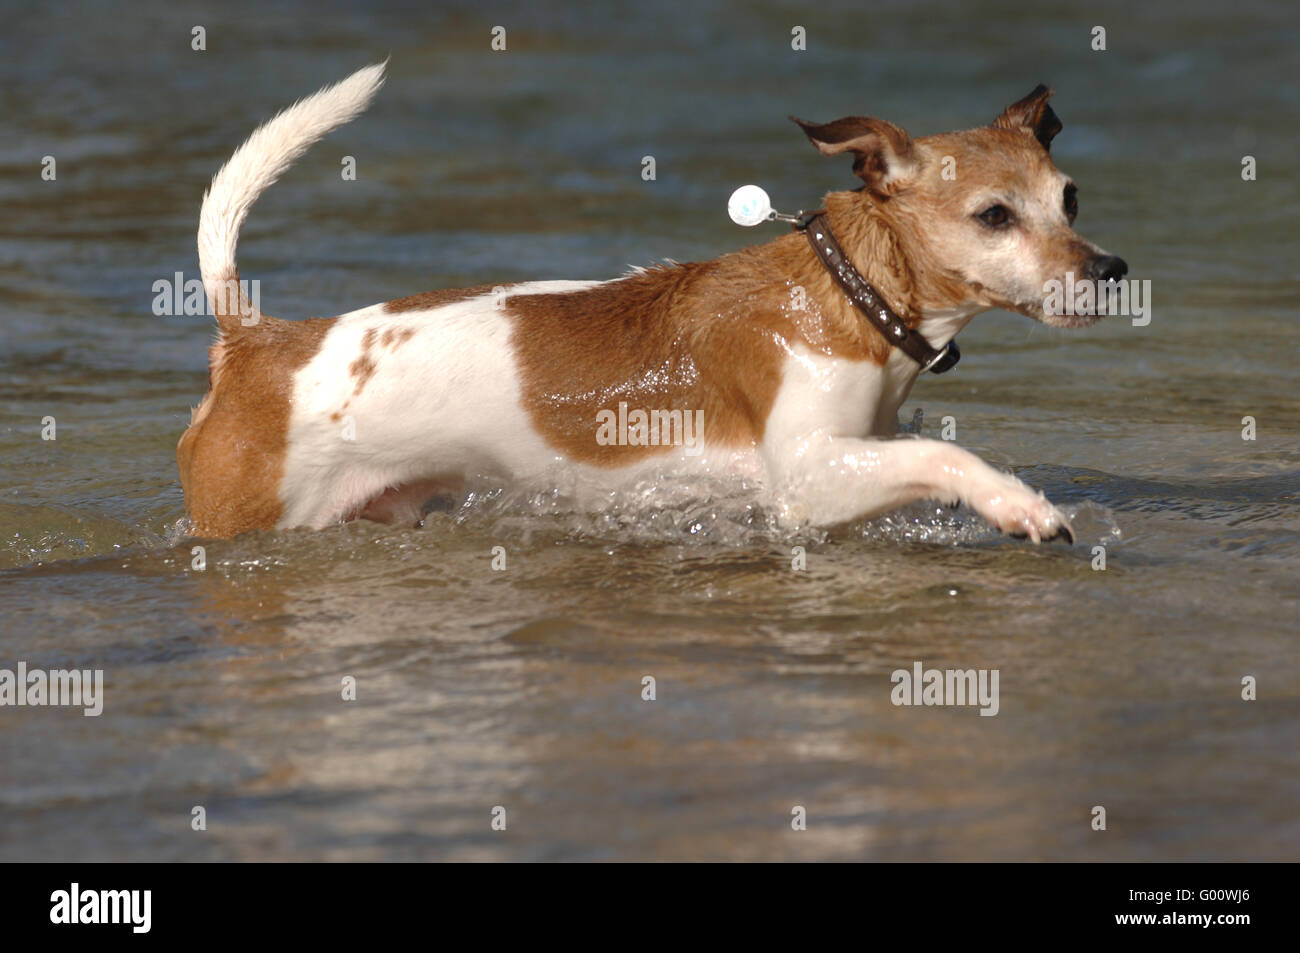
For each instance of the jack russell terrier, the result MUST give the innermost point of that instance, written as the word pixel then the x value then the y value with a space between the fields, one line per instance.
pixel 792 357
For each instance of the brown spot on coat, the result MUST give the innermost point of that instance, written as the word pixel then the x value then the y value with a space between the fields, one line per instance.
pixel 364 367
pixel 395 337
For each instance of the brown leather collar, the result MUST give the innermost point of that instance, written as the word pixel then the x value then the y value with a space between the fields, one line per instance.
pixel 869 302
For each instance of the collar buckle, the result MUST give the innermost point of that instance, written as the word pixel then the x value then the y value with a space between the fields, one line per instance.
pixel 945 360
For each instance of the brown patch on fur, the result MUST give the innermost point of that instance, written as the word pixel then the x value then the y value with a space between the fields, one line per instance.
pixel 436 299
pixel 395 337
pixel 708 336
pixel 231 458
pixel 364 367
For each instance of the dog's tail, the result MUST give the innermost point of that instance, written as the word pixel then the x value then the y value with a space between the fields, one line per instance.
pixel 262 159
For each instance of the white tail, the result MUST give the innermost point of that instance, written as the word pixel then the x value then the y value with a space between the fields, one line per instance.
pixel 263 158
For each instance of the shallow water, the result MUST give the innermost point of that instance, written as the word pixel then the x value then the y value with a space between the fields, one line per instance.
pixel 522 688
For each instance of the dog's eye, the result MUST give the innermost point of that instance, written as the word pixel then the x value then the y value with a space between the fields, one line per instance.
pixel 995 216
pixel 1071 201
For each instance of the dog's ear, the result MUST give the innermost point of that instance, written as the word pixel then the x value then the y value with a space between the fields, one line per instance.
pixel 883 156
pixel 1032 113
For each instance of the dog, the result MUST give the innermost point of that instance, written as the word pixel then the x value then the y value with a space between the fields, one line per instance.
pixel 778 353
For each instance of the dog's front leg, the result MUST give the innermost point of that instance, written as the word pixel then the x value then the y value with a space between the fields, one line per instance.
pixel 831 480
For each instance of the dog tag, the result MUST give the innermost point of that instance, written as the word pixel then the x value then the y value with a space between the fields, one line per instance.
pixel 749 205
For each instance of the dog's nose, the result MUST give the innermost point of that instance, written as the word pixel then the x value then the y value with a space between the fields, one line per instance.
pixel 1107 268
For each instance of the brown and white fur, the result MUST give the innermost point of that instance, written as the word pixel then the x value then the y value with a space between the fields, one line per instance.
pixel 314 422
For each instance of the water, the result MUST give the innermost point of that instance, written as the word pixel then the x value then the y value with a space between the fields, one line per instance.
pixel 522 688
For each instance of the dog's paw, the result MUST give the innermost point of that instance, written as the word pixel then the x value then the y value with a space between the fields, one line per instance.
pixel 1018 511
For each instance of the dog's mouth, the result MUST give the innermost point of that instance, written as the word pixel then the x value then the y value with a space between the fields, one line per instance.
pixel 1064 303
pixel 1035 309
pixel 1070 303
pixel 1077 302
pixel 1068 321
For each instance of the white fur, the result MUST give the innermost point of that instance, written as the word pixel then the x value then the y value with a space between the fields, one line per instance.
pixel 446 402
pixel 263 158
pixel 900 371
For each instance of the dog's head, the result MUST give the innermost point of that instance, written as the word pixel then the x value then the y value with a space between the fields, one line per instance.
pixel 984 214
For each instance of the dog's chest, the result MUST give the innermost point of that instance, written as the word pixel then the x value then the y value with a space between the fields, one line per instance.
pixel 829 395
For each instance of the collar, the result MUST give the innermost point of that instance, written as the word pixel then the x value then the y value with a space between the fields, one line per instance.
pixel 869 302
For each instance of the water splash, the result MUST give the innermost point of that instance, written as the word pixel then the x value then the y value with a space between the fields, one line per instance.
pixel 718 512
